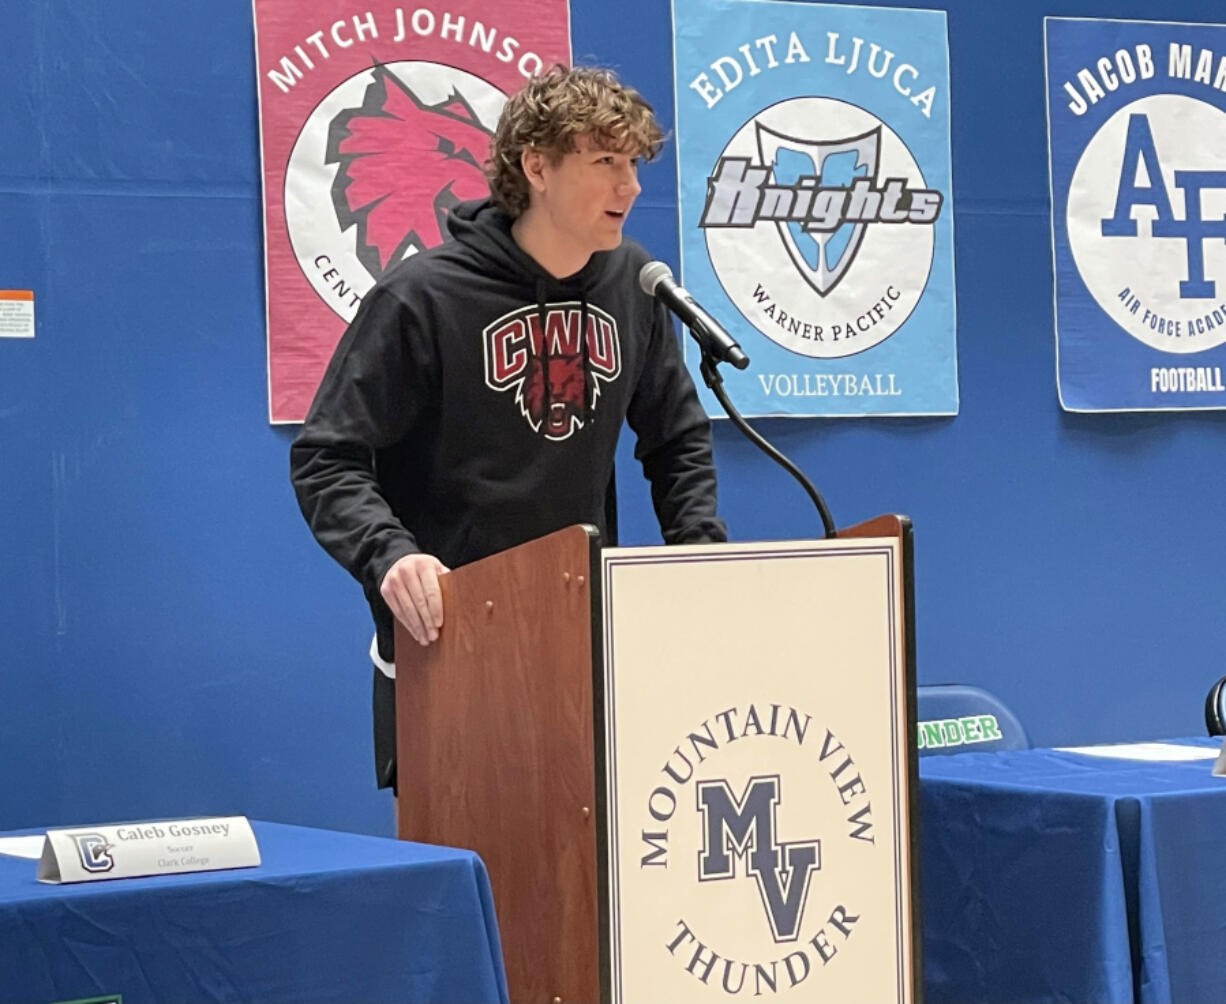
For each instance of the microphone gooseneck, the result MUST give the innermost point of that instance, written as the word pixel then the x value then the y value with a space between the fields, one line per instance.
pixel 656 280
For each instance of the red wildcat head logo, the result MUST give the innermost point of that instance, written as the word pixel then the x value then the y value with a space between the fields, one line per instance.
pixel 403 165
pixel 554 394
pixel 553 388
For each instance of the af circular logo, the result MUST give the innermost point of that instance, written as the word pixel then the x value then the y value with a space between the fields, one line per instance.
pixel 754 843
pixel 375 169
pixel 819 226
pixel 1145 221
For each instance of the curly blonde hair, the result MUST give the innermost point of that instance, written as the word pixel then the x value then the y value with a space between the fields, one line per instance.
pixel 552 111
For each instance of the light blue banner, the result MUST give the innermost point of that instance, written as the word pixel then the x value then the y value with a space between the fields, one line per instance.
pixel 1137 143
pixel 816 211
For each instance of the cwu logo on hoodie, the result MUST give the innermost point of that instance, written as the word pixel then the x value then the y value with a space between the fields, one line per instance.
pixel 556 359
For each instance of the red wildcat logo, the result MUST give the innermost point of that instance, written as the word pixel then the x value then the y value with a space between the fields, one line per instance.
pixel 403 165
pixel 551 387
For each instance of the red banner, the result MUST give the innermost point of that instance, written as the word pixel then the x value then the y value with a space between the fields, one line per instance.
pixel 374 121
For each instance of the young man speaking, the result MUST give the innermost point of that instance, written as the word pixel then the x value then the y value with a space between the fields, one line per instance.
pixel 476 399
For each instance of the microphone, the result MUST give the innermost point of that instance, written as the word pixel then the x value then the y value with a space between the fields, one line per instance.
pixel 656 279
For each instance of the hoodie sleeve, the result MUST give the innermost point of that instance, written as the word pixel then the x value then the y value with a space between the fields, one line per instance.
pixel 674 441
pixel 372 393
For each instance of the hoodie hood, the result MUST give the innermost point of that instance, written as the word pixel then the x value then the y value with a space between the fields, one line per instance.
pixel 485 229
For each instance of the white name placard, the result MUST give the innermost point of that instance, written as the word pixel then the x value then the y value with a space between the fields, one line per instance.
pixel 164 847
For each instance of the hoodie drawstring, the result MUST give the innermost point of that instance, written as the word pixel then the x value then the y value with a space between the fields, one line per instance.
pixel 548 390
pixel 589 382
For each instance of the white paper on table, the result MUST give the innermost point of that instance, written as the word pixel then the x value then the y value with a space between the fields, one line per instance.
pixel 23 847
pixel 1161 752
pixel 1219 765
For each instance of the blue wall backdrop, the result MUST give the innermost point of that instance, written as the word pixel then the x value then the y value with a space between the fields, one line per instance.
pixel 173 642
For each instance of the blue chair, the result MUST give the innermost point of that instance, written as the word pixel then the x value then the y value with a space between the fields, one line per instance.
pixel 953 718
pixel 1215 709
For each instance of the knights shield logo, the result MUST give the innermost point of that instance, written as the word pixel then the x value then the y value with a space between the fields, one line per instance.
pixel 821 256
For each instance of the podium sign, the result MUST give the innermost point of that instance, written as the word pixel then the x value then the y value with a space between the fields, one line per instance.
pixel 760 773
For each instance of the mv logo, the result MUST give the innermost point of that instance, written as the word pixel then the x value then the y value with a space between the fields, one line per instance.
pixel 1141 184
pixel 94 851
pixel 744 828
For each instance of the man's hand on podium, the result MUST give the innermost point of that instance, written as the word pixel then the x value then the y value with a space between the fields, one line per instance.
pixel 410 588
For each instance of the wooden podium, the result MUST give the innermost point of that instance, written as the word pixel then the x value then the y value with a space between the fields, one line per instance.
pixel 506 746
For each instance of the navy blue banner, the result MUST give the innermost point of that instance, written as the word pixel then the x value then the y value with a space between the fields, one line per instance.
pixel 1137 141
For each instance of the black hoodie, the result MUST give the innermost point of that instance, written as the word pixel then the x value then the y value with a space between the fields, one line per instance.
pixel 446 424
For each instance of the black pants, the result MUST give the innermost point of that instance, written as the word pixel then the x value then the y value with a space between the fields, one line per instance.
pixel 385 730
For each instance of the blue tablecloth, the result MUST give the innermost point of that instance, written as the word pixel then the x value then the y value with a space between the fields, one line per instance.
pixel 326 917
pixel 1050 876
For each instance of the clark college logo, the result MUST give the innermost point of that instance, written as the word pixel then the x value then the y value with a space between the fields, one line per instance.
pixel 1146 221
pixel 94 852
pixel 542 359
pixel 378 164
pixel 819 226
pixel 755 869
